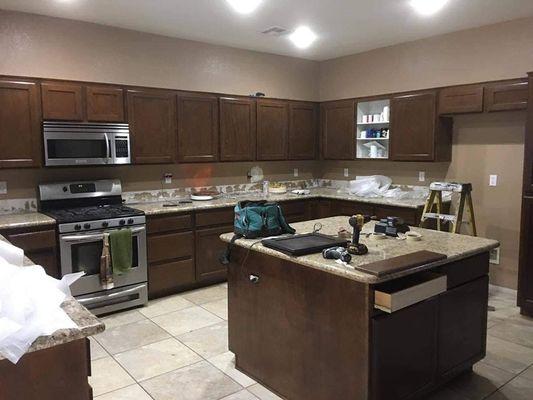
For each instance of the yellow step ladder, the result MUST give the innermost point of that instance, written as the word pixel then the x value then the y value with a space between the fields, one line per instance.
pixel 456 220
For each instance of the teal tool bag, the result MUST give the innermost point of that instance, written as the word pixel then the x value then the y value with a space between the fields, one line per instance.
pixel 255 219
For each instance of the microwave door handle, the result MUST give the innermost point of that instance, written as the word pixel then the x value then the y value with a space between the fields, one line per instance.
pixel 108 150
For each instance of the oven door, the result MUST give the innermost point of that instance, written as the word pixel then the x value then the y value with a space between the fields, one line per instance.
pixel 82 252
pixel 78 148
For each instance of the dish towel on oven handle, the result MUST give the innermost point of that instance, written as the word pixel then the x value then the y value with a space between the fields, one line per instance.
pixel 120 243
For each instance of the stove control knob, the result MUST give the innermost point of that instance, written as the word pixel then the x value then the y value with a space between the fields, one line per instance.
pixel 87 226
pixel 77 227
pixel 105 224
pixel 122 222
pixel 65 189
pixel 130 221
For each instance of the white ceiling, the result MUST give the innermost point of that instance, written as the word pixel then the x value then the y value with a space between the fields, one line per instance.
pixel 343 26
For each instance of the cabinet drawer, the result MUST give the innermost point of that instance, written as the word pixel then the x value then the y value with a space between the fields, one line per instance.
pixel 224 216
pixel 170 246
pixel 169 223
pixel 167 278
pixel 401 293
pixel 33 241
pixel 466 270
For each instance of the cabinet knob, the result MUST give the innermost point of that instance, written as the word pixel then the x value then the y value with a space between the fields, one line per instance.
pixel 254 278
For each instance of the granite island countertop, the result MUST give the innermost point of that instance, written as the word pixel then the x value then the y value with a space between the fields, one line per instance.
pixel 88 324
pixel 454 246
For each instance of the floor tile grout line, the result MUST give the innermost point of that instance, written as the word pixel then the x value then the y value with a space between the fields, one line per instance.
pixel 116 390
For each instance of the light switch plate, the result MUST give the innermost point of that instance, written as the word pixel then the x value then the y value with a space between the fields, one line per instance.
pixel 296 172
pixel 3 187
pixel 421 176
pixel 493 180
pixel 346 173
pixel 494 256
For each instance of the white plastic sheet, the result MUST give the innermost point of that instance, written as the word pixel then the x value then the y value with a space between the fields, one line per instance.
pixel 30 304
pixel 381 186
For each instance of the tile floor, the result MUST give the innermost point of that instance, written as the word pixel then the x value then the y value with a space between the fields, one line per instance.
pixel 176 349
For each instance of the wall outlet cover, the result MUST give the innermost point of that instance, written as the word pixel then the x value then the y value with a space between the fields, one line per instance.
pixel 168 178
pixel 296 172
pixel 421 176
pixel 346 173
pixel 493 180
pixel 494 256
pixel 3 187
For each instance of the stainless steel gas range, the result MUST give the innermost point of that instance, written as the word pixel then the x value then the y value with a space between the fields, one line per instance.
pixel 84 211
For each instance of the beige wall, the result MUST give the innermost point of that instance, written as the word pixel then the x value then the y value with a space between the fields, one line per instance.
pixel 39 46
pixel 492 52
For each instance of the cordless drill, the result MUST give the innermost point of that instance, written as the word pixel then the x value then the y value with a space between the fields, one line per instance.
pixel 337 253
pixel 357 222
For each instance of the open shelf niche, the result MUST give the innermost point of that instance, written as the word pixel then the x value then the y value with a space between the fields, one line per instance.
pixel 373 134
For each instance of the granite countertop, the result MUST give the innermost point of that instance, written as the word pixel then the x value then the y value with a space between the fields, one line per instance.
pixel 454 246
pixel 227 200
pixel 88 324
pixel 25 220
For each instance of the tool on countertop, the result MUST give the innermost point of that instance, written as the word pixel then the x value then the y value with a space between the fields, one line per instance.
pixel 337 253
pixel 436 189
pixel 391 226
pixel 357 222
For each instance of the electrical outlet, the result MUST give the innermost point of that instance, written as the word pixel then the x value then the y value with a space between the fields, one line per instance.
pixel 421 176
pixel 296 172
pixel 346 173
pixel 494 256
pixel 3 187
pixel 493 180
pixel 168 178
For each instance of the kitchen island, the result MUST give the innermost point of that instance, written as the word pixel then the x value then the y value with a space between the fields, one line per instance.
pixel 55 366
pixel 310 328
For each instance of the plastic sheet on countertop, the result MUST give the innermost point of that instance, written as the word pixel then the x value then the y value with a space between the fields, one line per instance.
pixel 30 304
pixel 381 186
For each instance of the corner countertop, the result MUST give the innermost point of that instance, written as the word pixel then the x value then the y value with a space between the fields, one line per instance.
pixel 25 220
pixel 88 324
pixel 454 246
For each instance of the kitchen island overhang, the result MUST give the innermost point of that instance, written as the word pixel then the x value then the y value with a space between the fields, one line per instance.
pixel 308 328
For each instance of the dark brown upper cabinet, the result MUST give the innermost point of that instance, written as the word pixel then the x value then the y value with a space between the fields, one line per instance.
pixel 105 104
pixel 302 130
pixel 197 128
pixel 461 99
pixel 237 129
pixel 152 119
pixel 417 133
pixel 337 119
pixel 272 129
pixel 506 96
pixel 62 101
pixel 20 124
pixel 528 159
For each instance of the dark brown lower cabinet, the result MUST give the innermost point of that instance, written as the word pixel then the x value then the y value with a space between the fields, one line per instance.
pixel 295 211
pixel 209 248
pixel 525 281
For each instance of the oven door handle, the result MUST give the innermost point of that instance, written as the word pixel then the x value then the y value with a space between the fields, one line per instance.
pixel 111 295
pixel 84 238
pixel 108 151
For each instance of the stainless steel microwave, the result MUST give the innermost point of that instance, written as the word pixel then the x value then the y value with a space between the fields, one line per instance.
pixel 67 143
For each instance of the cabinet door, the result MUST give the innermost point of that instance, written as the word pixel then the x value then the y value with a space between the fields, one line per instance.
pixel 337 121
pixel 463 324
pixel 302 131
pixel 528 159
pixel 506 96
pixel 197 128
pixel 404 359
pixel 350 208
pixel 209 248
pixel 105 104
pixel 152 119
pixel 413 127
pixel 272 129
pixel 62 101
pixel 525 280
pixel 237 129
pixel 461 99
pixel 20 124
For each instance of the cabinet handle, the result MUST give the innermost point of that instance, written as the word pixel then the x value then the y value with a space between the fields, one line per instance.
pixel 254 278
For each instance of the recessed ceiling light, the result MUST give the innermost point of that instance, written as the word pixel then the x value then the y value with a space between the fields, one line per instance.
pixel 428 7
pixel 302 37
pixel 244 6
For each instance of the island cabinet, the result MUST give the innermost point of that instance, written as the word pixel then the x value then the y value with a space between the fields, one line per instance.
pixel 63 101
pixel 272 130
pixel 197 128
pixel 417 133
pixel 210 224
pixel 39 245
pixel 152 119
pixel 20 124
pixel 237 128
pixel 337 123
pixel 302 130
pixel 170 253
pixel 309 334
